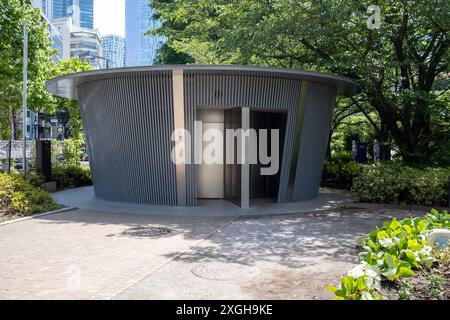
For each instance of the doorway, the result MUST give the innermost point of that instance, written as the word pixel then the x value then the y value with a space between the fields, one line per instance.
pixel 266 186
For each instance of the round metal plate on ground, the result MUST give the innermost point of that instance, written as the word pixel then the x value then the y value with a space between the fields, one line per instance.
pixel 147 232
pixel 223 271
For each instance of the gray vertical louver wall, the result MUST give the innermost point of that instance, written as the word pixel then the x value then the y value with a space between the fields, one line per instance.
pixel 210 90
pixel 128 123
pixel 128 118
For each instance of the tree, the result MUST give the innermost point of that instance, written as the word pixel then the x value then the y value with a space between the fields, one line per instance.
pixel 12 15
pixel 167 55
pixel 73 146
pixel 397 65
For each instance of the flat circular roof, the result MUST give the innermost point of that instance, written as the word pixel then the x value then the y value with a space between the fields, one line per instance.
pixel 66 86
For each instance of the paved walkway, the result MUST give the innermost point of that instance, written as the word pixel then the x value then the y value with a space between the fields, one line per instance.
pixel 91 255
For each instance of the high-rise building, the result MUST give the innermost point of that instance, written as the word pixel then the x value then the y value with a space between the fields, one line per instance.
pixel 113 51
pixel 53 34
pixel 81 11
pixel 46 6
pixel 83 43
pixel 140 48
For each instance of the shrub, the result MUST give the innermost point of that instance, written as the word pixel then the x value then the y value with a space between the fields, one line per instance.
pixel 393 182
pixel 390 253
pixel 35 179
pixel 340 174
pixel 68 177
pixel 17 196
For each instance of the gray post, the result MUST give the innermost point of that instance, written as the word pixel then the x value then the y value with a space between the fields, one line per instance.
pixel 448 187
pixel 24 95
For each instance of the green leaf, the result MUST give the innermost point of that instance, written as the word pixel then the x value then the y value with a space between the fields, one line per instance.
pixel 407 228
pixel 382 234
pixel 389 260
pixel 428 261
pixel 421 226
pixel 365 295
pixel 389 273
pixel 394 225
pixel 404 272
pixel 332 289
pixel 347 285
pixel 414 245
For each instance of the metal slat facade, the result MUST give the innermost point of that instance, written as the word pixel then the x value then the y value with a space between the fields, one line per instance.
pixel 128 117
pixel 129 123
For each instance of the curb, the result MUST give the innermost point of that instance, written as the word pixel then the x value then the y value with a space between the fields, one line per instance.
pixel 38 215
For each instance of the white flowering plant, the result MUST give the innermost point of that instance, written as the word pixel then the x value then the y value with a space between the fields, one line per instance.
pixel 390 253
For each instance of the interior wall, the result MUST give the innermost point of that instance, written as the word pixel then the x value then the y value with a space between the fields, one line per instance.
pixel 266 186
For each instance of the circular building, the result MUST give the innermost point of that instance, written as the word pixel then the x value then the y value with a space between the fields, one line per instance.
pixel 148 129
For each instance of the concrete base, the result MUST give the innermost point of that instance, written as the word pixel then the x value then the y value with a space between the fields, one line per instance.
pixel 50 186
pixel 84 198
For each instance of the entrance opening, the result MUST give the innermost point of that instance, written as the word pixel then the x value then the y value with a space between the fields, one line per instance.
pixel 266 186
pixel 235 182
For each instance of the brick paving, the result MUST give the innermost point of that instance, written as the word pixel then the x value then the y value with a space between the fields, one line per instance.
pixel 86 255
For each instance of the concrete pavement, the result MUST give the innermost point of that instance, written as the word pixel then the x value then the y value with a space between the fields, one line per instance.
pixel 92 255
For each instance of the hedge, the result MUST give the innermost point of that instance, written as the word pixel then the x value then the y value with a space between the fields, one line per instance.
pixel 396 183
pixel 19 197
pixel 68 177
pixel 340 174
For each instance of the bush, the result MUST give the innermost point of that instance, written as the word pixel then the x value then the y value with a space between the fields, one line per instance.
pixel 390 253
pixel 340 174
pixel 35 179
pixel 17 196
pixel 69 177
pixel 396 183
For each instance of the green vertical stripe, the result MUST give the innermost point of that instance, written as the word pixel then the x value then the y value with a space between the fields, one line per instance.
pixel 296 142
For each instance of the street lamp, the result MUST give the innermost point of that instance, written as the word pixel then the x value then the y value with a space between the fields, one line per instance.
pixel 98 57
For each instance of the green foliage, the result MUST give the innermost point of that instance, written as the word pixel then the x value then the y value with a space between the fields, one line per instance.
pixel 347 127
pixel 35 179
pixel 19 197
pixel 167 55
pixel 68 177
pixel 394 182
pixel 339 173
pixel 442 256
pixel 391 253
pixel 12 16
pixel 41 67
pixel 72 151
pixel 404 291
pixel 361 288
pixel 435 289
pixel 398 66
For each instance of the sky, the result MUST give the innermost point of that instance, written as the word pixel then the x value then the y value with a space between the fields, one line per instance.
pixel 109 16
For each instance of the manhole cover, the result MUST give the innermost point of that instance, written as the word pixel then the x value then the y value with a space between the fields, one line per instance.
pixel 222 271
pixel 146 232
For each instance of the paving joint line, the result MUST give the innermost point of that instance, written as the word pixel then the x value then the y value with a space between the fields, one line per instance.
pixel 35 216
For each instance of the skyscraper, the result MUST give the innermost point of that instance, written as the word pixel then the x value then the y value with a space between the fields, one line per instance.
pixel 113 50
pixel 46 6
pixel 55 37
pixel 140 48
pixel 82 11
